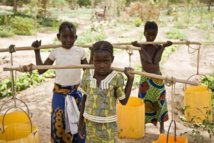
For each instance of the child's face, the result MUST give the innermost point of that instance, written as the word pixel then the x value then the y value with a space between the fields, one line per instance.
pixel 67 37
pixel 102 61
pixel 150 34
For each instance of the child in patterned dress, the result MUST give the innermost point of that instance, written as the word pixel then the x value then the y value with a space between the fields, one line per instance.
pixel 103 87
pixel 152 90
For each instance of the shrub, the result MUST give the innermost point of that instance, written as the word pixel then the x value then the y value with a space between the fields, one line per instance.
pixel 23 26
pixel 6 31
pixel 22 82
pixel 167 52
pixel 209 81
pixel 137 22
pixel 84 2
pixel 181 25
pixel 90 36
pixel 49 22
pixel 175 34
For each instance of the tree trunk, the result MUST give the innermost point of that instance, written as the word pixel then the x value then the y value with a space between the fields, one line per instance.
pixel 73 4
pixel 209 5
pixel 43 5
pixel 15 6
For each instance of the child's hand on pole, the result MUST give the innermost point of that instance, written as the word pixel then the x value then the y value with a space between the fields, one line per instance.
pixel 128 73
pixel 36 44
pixel 168 43
pixel 135 43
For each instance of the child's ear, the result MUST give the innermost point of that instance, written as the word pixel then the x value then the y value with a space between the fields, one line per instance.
pixel 58 36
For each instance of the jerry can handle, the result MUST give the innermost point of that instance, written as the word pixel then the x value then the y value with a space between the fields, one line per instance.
pixel 167 138
pixel 3 119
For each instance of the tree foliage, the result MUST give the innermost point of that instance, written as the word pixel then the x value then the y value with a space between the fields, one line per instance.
pixel 84 2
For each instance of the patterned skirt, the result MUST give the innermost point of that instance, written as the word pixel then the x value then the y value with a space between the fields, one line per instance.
pixel 58 134
pixel 101 132
pixel 154 94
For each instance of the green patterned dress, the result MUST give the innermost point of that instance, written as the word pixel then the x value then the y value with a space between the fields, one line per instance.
pixel 100 106
pixel 154 94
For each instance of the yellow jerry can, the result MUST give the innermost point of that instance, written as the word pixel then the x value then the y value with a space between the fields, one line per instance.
pixel 197 102
pixel 15 127
pixel 167 138
pixel 163 139
pixel 131 119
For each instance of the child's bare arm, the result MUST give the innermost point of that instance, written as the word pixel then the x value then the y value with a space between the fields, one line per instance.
pixel 81 125
pixel 129 84
pixel 48 61
pixel 159 53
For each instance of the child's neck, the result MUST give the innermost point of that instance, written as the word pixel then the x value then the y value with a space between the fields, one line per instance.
pixel 67 48
pixel 100 76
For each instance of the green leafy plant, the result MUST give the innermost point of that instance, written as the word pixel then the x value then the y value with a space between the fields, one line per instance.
pixel 180 25
pixel 49 22
pixel 209 81
pixel 90 36
pixel 23 25
pixel 198 128
pixel 206 125
pixel 6 31
pixel 137 22
pixel 22 82
pixel 175 34
pixel 84 2
pixel 196 133
pixel 167 52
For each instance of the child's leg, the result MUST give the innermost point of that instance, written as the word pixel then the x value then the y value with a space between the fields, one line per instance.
pixel 77 139
pixel 164 112
pixel 162 127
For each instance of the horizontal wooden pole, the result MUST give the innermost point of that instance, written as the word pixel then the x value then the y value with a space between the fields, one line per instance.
pixel 126 46
pixel 160 42
pixel 57 46
pixel 42 67
pixel 31 48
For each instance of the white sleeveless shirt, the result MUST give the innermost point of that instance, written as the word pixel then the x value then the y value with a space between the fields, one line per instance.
pixel 72 56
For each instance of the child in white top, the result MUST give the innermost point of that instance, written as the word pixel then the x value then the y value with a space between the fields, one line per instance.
pixel 66 81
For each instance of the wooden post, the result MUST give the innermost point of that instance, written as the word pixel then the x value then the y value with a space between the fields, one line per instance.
pixel 15 6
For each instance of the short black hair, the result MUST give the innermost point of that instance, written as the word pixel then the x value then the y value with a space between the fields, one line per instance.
pixel 68 25
pixel 103 46
pixel 150 25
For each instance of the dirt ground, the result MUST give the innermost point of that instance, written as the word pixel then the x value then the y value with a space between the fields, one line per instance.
pixel 181 65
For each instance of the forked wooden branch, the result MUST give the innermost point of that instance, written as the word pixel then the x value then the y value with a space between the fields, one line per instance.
pixel 28 68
